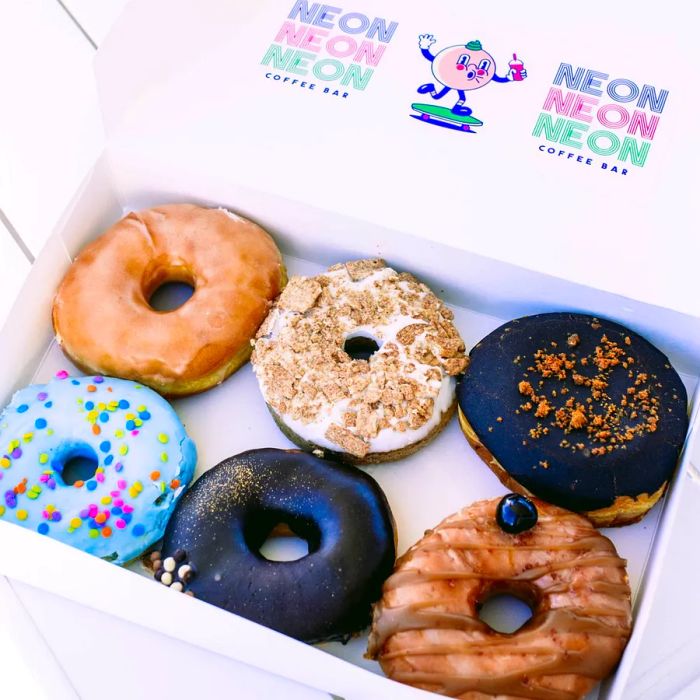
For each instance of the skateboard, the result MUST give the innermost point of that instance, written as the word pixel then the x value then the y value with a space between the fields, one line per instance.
pixel 443 116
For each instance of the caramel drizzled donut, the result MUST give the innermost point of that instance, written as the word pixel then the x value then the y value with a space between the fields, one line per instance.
pixel 105 325
pixel 426 630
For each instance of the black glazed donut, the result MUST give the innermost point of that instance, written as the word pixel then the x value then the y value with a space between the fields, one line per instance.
pixel 211 544
pixel 576 410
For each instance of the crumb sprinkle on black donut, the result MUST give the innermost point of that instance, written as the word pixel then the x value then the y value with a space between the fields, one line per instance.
pixel 577 410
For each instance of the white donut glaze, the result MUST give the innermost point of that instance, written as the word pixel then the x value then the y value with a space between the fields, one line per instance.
pixel 401 301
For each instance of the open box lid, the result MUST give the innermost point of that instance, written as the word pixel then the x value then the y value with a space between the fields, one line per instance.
pixel 224 89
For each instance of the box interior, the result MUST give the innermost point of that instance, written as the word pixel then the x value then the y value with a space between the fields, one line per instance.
pixel 422 489
pixel 334 181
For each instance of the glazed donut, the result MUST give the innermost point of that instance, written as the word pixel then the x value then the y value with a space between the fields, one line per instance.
pixel 427 633
pixel 103 320
pixel 361 407
pixel 136 462
pixel 577 410
pixel 211 545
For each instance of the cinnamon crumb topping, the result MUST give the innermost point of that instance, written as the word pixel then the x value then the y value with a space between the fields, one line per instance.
pixel 359 269
pixel 525 388
pixel 300 294
pixel 304 370
pixel 578 419
pixel 345 439
pixel 543 409
pixel 607 421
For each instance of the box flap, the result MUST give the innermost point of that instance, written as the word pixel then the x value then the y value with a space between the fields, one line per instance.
pixel 581 168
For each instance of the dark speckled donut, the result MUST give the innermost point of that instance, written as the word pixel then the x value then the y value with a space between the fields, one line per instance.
pixel 222 521
pixel 578 411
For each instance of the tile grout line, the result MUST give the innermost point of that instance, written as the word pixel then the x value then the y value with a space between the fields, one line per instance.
pixel 3 217
pixel 79 26
pixel 16 237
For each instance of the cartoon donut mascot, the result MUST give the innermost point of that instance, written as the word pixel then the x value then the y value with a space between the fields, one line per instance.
pixel 463 68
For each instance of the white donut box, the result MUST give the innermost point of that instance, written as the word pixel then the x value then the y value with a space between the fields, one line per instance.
pixel 495 221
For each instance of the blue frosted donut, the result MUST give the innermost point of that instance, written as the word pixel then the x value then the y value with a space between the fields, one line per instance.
pixel 95 462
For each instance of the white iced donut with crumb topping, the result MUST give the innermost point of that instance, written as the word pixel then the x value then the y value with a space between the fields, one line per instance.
pixel 359 361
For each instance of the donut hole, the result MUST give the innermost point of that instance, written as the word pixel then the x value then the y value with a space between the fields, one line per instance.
pixel 505 613
pixel 170 296
pixel 75 463
pixel 506 609
pixel 167 285
pixel 360 346
pixel 281 537
pixel 284 548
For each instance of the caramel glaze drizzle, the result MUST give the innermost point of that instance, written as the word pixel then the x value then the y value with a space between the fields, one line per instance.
pixel 563 649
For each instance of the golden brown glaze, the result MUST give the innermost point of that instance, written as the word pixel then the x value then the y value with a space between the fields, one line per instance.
pixel 624 510
pixel 426 630
pixel 105 325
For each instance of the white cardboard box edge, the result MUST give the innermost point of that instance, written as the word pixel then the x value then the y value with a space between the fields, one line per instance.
pixel 334 675
pixel 16 539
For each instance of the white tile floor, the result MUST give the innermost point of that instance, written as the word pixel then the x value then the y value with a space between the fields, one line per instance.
pixel 14 265
pixel 51 132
